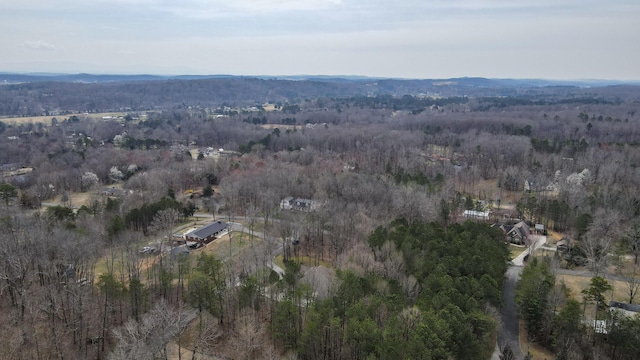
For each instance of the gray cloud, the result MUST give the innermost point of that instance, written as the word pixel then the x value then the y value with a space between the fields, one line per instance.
pixel 38 45
pixel 408 38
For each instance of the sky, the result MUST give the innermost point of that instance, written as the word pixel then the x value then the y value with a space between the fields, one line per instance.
pixel 546 39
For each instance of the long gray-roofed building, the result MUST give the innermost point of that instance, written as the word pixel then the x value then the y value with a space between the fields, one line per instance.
pixel 207 233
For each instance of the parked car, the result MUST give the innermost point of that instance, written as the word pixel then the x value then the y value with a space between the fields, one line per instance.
pixel 148 250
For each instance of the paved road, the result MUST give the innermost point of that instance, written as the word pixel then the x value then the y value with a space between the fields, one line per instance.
pixel 508 333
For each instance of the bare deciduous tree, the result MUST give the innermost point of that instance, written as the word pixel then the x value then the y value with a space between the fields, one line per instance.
pixel 148 338
pixel 163 224
pixel 600 236
pixel 632 282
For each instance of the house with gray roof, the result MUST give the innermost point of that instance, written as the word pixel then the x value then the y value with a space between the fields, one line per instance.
pixel 516 234
pixel 207 233
pixel 629 310
pixel 519 233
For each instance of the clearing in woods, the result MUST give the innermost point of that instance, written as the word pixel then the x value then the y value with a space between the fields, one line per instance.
pixel 20 120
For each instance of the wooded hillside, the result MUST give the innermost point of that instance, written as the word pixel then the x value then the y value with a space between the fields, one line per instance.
pixel 358 222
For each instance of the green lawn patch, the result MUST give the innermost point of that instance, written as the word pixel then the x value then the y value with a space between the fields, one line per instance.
pixel 516 250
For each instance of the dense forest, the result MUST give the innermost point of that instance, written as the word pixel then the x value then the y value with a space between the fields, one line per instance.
pixel 383 262
pixel 54 95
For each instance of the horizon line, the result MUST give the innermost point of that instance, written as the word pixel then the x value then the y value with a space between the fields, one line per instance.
pixel 285 77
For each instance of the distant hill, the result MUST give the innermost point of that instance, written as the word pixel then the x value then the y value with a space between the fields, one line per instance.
pixel 35 94
pixel 15 78
pixel 12 78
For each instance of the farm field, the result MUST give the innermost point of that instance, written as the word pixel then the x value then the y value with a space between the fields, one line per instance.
pixel 46 120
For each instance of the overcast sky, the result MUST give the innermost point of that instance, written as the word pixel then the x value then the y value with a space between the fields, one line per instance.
pixel 550 39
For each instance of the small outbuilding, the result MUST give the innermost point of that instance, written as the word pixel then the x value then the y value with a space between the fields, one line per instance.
pixel 562 245
pixel 477 215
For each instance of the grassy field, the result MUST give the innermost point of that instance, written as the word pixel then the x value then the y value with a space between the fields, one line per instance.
pixel 46 120
pixel 258 225
pixel 221 248
pixel 34 119
pixel 76 200
pixel 578 283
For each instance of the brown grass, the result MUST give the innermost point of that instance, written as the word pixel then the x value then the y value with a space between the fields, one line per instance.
pixel 33 119
pixel 489 190
pixel 554 235
pixel 75 199
pixel 220 246
pixel 578 283
pixel 20 120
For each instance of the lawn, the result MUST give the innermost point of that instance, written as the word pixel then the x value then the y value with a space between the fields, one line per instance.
pixel 578 283
pixel 258 225
pixel 221 247
pixel 516 250
pixel 75 200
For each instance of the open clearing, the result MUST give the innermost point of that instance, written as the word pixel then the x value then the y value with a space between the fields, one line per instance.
pixel 578 283
pixel 221 247
pixel 115 262
pixel 76 200
pixel 20 120
pixel 35 119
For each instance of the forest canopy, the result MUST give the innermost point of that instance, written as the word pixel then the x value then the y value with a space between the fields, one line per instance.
pixel 95 209
pixel 431 298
